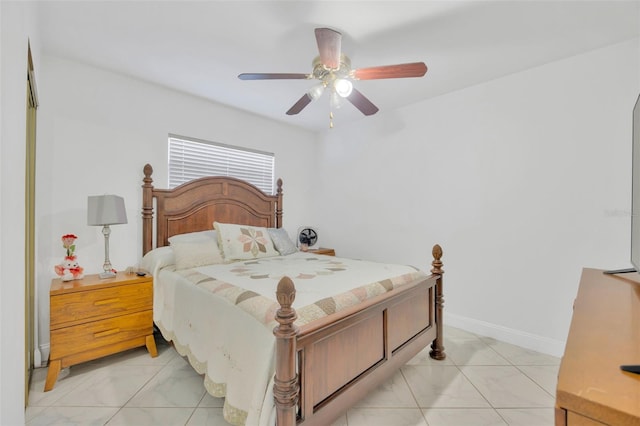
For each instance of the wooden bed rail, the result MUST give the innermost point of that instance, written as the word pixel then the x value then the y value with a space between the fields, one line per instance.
pixel 291 406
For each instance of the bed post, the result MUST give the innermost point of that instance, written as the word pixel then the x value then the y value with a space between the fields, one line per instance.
pixel 437 347
pixel 285 388
pixel 147 210
pixel 279 206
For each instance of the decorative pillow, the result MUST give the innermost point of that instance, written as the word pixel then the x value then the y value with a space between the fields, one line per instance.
pixel 194 236
pixel 240 242
pixel 281 241
pixel 191 254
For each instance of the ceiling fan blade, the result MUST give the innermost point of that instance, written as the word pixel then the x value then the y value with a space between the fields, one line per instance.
pixel 329 46
pixel 299 106
pixel 272 76
pixel 414 69
pixel 362 103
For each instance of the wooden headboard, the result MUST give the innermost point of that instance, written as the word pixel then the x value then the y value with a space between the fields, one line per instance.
pixel 195 205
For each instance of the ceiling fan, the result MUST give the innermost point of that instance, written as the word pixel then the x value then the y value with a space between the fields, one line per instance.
pixel 333 69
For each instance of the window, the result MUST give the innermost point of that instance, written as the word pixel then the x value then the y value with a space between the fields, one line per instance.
pixel 192 158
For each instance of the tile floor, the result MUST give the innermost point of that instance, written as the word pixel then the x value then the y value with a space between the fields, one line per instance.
pixel 482 382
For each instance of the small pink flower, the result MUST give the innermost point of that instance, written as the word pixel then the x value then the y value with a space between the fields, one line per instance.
pixel 68 241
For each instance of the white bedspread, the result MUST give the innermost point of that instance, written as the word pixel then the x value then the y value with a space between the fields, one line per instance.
pixel 225 329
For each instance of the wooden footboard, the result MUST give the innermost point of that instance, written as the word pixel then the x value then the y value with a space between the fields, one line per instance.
pixel 324 367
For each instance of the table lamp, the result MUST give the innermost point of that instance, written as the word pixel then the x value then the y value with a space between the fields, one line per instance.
pixel 106 210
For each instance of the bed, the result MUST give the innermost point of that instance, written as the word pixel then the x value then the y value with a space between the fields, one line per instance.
pixel 303 363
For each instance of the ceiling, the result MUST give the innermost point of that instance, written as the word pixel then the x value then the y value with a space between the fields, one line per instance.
pixel 200 47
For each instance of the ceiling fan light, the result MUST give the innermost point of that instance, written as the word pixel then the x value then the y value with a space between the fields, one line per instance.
pixel 316 91
pixel 343 87
pixel 335 101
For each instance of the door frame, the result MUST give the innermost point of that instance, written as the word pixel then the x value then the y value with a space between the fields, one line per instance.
pixel 29 232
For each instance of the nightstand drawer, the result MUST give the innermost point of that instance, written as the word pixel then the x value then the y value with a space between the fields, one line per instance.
pixel 84 337
pixel 92 305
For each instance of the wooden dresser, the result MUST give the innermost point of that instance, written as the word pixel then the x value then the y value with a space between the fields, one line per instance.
pixel 94 317
pixel 604 334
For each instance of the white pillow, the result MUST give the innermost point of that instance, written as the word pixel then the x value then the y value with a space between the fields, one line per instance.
pixel 157 259
pixel 194 236
pixel 241 242
pixel 191 254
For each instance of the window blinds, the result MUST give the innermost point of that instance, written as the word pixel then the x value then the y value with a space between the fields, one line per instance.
pixel 192 158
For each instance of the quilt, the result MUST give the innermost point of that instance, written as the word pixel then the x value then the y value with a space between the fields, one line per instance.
pixel 221 317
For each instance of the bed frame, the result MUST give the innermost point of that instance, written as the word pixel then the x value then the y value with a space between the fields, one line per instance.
pixel 323 367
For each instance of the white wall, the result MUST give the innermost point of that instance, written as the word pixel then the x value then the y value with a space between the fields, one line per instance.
pixel 522 180
pixel 96 132
pixel 17 27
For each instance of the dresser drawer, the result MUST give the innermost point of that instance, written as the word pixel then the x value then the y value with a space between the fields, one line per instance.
pixel 575 419
pixel 80 338
pixel 83 306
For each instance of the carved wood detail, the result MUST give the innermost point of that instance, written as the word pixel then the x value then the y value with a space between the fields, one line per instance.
pixel 195 205
pixel 285 388
pixel 147 210
pixel 437 347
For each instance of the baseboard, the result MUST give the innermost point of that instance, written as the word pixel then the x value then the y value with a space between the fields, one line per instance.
pixel 505 334
pixel 37 357
pixel 44 355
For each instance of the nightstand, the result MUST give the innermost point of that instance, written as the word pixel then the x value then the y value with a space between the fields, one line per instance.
pixel 92 317
pixel 321 250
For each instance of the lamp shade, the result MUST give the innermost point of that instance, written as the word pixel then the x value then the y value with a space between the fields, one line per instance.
pixel 105 210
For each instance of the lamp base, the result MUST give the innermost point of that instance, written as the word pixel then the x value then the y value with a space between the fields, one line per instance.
pixel 107 274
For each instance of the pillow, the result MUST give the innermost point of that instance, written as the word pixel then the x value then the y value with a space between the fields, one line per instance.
pixel 281 241
pixel 241 242
pixel 157 259
pixel 194 236
pixel 191 254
